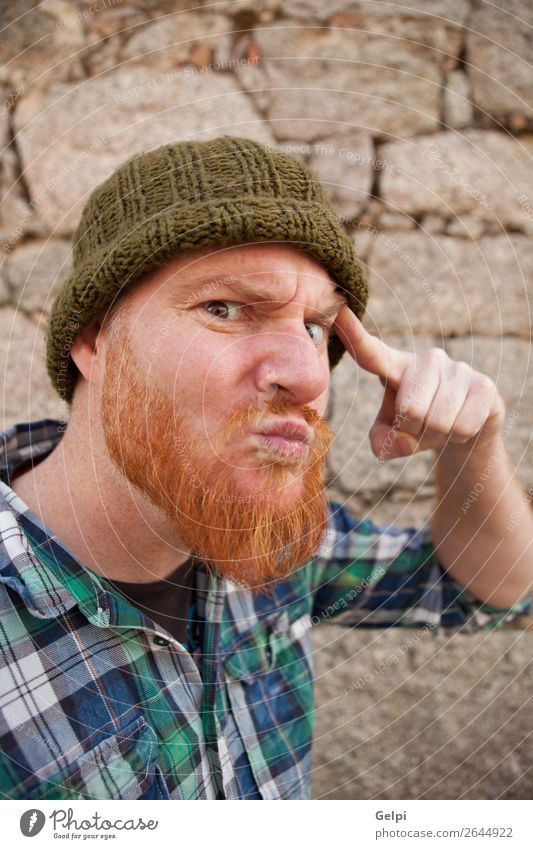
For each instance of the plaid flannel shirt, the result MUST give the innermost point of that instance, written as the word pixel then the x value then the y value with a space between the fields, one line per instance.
pixel 97 701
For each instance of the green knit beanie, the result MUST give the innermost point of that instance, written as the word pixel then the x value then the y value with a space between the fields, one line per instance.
pixel 189 195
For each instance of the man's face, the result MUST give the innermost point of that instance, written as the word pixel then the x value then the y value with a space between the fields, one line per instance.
pixel 215 384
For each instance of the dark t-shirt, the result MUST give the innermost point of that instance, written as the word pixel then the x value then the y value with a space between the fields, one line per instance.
pixel 167 601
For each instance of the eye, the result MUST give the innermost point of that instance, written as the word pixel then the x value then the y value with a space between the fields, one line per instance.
pixel 228 310
pixel 319 331
pixel 221 310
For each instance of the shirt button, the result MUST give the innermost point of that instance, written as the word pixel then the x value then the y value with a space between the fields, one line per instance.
pixel 160 641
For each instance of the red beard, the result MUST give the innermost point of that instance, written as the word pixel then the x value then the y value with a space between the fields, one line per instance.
pixel 249 537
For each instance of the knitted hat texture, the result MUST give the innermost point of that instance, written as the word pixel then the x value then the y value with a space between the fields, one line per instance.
pixel 184 196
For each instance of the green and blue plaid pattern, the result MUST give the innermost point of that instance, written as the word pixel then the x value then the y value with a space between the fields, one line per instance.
pixel 97 701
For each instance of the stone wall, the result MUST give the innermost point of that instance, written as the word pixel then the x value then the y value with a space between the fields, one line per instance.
pixel 419 120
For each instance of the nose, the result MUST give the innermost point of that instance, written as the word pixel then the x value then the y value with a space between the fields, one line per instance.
pixel 291 362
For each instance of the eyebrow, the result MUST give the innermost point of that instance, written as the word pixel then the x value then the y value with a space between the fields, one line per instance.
pixel 203 286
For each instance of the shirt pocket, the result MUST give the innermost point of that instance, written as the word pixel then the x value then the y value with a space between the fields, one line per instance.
pixel 121 766
pixel 269 683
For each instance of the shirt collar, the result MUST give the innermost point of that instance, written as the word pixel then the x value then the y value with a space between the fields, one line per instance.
pixel 33 562
pixel 41 570
pixel 28 441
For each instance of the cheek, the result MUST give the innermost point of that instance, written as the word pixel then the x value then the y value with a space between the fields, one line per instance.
pixel 204 371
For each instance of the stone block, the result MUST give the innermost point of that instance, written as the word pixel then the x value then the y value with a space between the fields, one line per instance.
pixel 101 124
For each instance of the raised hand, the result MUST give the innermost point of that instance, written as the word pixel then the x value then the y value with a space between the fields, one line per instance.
pixel 430 400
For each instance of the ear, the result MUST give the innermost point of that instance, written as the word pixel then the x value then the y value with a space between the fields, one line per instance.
pixel 86 352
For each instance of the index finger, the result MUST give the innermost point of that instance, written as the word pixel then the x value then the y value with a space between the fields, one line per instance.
pixel 368 351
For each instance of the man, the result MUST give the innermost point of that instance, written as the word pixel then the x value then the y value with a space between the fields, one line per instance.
pixel 165 553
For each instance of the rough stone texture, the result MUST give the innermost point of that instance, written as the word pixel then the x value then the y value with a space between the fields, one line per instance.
pixel 395 506
pixel 434 25
pixel 15 213
pixel 446 286
pixel 174 41
pixel 155 8
pixel 464 226
pixel 106 33
pixel 500 54
pixel 4 291
pixel 16 219
pixel 432 223
pixel 322 82
pixel 54 35
pixel 481 173
pixel 132 111
pixel 27 393
pixel 35 273
pixel 448 718
pixel 458 112
pixel 437 24
pixel 396 221
pixel 8 163
pixel 509 363
pixel 345 166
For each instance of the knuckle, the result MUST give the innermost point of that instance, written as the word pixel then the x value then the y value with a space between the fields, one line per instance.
pixel 462 367
pixel 462 433
pixel 437 355
pixel 485 383
pixel 440 425
pixel 502 405
pixel 412 411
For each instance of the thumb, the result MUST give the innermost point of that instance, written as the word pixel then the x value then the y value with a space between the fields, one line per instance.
pixel 389 443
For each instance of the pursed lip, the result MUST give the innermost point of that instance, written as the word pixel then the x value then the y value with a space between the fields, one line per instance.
pixel 288 430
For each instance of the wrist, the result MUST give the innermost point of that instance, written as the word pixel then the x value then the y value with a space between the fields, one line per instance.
pixel 478 449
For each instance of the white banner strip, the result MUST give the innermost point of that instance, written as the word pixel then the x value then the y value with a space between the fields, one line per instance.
pixel 355 823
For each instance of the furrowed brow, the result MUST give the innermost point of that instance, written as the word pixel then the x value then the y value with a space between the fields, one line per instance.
pixel 253 293
pixel 333 304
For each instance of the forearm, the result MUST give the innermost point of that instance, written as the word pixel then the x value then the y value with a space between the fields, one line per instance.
pixel 482 525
